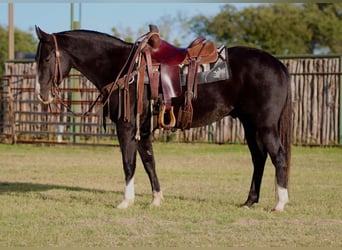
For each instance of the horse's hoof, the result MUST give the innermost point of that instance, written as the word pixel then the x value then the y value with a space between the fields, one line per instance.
pixel 125 203
pixel 157 198
pixel 245 207
pixel 275 210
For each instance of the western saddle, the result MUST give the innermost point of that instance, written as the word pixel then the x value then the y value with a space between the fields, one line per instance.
pixel 162 62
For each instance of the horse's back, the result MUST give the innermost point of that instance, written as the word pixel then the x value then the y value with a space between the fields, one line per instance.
pixel 262 82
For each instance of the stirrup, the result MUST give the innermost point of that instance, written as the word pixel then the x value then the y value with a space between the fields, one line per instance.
pixel 161 118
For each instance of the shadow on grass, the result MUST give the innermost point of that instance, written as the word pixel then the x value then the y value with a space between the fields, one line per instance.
pixel 25 187
pixel 22 187
pixel 39 188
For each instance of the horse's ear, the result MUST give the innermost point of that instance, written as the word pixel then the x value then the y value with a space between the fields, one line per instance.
pixel 43 36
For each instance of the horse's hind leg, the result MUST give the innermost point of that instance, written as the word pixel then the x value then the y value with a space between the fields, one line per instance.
pixel 128 148
pixel 146 153
pixel 271 141
pixel 259 156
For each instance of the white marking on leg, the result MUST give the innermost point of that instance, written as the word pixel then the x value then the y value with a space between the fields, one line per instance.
pixel 129 195
pixel 157 198
pixel 283 199
pixel 129 192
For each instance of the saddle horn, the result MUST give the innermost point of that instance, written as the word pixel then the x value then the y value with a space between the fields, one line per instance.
pixel 154 41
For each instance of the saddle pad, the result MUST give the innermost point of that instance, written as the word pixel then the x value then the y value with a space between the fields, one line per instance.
pixel 211 72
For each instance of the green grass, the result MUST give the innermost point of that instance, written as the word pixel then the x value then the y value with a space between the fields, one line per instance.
pixel 66 196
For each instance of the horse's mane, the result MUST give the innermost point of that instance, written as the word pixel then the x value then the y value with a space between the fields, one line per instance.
pixel 102 37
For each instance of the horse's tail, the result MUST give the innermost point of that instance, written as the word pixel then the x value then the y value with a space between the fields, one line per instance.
pixel 285 128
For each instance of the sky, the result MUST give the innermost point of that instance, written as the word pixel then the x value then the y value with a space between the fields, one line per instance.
pixel 100 16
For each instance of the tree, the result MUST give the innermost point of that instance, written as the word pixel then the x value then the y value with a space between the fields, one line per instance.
pixel 325 23
pixel 174 29
pixel 23 41
pixel 276 28
pixel 124 33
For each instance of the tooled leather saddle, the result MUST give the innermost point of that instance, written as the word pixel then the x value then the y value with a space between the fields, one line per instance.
pixel 163 62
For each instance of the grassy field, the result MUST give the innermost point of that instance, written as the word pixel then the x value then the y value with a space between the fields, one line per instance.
pixel 66 196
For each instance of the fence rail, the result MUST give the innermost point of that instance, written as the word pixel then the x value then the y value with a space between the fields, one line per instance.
pixel 24 119
pixel 316 98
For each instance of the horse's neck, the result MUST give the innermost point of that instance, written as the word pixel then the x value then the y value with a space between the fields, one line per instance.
pixel 100 64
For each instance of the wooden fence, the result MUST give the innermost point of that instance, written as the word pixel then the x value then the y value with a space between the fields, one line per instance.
pixel 316 88
pixel 315 82
pixel 24 119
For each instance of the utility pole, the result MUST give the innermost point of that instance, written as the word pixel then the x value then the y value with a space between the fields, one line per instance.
pixel 10 32
pixel 73 23
pixel 75 83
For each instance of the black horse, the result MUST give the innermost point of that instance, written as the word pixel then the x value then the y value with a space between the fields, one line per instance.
pixel 258 93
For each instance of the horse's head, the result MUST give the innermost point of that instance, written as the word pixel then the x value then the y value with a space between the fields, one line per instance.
pixel 53 65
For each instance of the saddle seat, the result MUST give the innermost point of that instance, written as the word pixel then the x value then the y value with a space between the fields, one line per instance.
pixel 166 53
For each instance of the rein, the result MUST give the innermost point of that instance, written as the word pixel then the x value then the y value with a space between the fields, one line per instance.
pixel 122 83
pixel 55 90
pixel 58 68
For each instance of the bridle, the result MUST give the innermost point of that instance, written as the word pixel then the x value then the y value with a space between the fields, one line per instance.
pixel 57 71
pixel 106 91
pixel 58 68
pixel 57 78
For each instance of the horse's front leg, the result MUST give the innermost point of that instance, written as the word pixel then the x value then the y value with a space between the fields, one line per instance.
pixel 128 147
pixel 146 153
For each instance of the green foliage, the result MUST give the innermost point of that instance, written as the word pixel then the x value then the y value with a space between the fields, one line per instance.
pixel 325 22
pixel 23 41
pixel 124 34
pixel 277 28
pixel 174 29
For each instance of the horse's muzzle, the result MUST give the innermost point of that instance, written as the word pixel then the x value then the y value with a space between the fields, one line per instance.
pixel 42 100
pixel 45 97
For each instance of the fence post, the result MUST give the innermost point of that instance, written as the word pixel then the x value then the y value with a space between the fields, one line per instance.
pixel 76 108
pixel 11 110
pixel 340 107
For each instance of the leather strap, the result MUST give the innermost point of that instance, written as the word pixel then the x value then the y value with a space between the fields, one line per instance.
pixel 58 68
pixel 185 115
pixel 142 45
pixel 140 84
pixel 153 75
